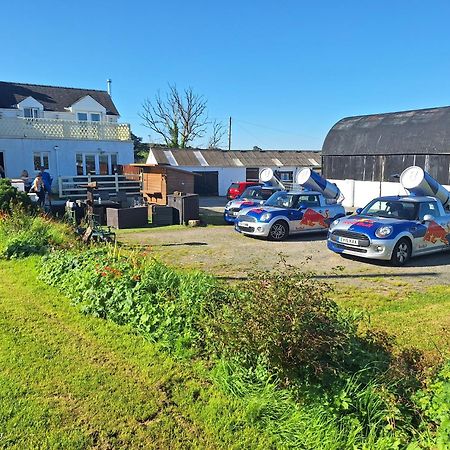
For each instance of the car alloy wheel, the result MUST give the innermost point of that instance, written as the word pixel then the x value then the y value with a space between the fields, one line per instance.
pixel 278 231
pixel 401 252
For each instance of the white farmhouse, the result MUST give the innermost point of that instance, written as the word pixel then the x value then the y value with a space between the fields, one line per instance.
pixel 69 131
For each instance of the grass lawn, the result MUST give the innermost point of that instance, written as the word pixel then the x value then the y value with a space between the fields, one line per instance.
pixel 418 319
pixel 68 381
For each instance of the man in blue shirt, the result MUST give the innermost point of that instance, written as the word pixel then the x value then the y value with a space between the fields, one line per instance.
pixel 47 180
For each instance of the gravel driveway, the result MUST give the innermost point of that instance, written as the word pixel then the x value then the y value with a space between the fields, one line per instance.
pixel 223 251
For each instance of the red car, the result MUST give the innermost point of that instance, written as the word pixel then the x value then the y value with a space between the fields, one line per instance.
pixel 237 188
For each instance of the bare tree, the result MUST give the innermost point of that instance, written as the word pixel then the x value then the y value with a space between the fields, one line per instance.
pixel 217 133
pixel 179 117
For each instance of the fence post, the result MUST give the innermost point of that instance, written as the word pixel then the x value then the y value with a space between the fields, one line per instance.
pixel 60 187
pixel 116 179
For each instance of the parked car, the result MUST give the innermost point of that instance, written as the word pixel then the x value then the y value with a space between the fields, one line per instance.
pixel 286 213
pixel 393 228
pixel 252 196
pixel 237 188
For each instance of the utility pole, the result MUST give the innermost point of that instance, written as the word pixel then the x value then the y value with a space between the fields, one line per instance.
pixel 229 135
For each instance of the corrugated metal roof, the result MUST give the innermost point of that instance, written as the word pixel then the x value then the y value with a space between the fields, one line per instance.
pixel 422 131
pixel 237 158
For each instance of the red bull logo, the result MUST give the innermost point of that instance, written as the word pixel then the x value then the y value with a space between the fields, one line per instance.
pixel 436 233
pixel 368 223
pixel 312 218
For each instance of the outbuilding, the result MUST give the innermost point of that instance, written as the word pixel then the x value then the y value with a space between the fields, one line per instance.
pixel 217 169
pixel 378 147
pixel 159 181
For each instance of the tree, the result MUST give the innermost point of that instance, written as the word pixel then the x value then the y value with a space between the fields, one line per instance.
pixel 140 149
pixel 217 133
pixel 178 117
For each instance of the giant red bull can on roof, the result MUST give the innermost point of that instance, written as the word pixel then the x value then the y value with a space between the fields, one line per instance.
pixel 419 182
pixel 313 181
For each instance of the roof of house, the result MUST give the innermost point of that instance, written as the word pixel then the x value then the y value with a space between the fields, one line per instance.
pixel 194 157
pixel 422 131
pixel 53 98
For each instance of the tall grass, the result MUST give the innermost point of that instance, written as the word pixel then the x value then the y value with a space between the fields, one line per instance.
pixel 23 234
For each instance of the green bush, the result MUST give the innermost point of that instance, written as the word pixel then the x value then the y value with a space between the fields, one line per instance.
pixel 23 234
pixel 11 197
pixel 434 403
pixel 165 305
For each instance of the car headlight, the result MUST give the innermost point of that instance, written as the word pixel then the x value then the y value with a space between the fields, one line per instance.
pixel 264 217
pixel 334 223
pixel 383 231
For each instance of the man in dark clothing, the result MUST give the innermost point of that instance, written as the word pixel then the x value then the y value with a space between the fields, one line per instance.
pixel 47 180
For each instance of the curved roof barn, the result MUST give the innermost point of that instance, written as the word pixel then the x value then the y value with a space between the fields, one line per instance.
pixel 378 146
pixel 422 131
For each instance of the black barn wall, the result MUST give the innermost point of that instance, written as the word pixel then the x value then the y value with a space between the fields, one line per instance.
pixel 382 167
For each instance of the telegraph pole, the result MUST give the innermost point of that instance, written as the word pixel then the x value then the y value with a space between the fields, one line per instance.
pixel 229 135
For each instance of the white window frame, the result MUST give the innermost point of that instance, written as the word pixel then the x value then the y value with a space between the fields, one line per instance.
pixel 97 161
pixel 33 111
pixel 82 120
pixel 95 114
pixel 41 156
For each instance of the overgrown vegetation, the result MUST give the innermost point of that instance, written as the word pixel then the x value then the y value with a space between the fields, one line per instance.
pixel 11 198
pixel 23 234
pixel 280 345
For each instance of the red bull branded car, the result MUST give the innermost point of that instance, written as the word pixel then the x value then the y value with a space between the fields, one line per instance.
pixel 291 212
pixel 251 197
pixel 397 228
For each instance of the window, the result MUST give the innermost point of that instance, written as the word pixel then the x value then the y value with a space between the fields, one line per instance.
pixel 252 174
pixel 82 116
pixel 79 159
pixel 40 159
pixel 31 113
pixel 89 162
pixel 287 175
pixel 95 117
pixel 96 163
pixel 428 208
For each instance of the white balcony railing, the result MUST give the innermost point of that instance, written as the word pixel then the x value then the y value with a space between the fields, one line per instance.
pixel 17 127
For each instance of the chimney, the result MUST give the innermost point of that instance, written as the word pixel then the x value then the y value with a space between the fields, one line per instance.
pixel 108 84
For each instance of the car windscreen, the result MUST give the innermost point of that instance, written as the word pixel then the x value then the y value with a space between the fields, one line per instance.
pixel 283 200
pixel 234 186
pixel 395 209
pixel 252 192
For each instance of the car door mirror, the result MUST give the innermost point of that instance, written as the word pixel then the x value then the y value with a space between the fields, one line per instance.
pixel 358 211
pixel 428 218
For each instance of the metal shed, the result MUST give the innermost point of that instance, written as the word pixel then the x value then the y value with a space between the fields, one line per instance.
pixel 376 147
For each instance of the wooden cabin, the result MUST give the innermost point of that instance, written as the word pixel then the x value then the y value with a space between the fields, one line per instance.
pixel 159 181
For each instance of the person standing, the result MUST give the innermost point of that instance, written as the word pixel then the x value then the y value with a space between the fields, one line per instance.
pixel 38 187
pixel 26 180
pixel 47 180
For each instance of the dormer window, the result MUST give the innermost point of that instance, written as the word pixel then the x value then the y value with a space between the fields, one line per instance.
pixel 82 116
pixel 31 113
pixel 95 117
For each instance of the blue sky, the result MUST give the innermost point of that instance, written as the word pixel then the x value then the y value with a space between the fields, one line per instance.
pixel 286 71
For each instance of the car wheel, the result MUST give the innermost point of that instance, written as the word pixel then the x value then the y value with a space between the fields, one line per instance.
pixel 401 253
pixel 278 231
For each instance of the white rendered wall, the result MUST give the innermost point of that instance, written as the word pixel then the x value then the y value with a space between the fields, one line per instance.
pixel 18 154
pixel 358 193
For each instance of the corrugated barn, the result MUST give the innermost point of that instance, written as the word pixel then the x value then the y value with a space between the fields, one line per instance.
pixel 217 169
pixel 379 146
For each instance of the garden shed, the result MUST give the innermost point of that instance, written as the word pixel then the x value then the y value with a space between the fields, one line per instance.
pixel 159 181
pixel 379 146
